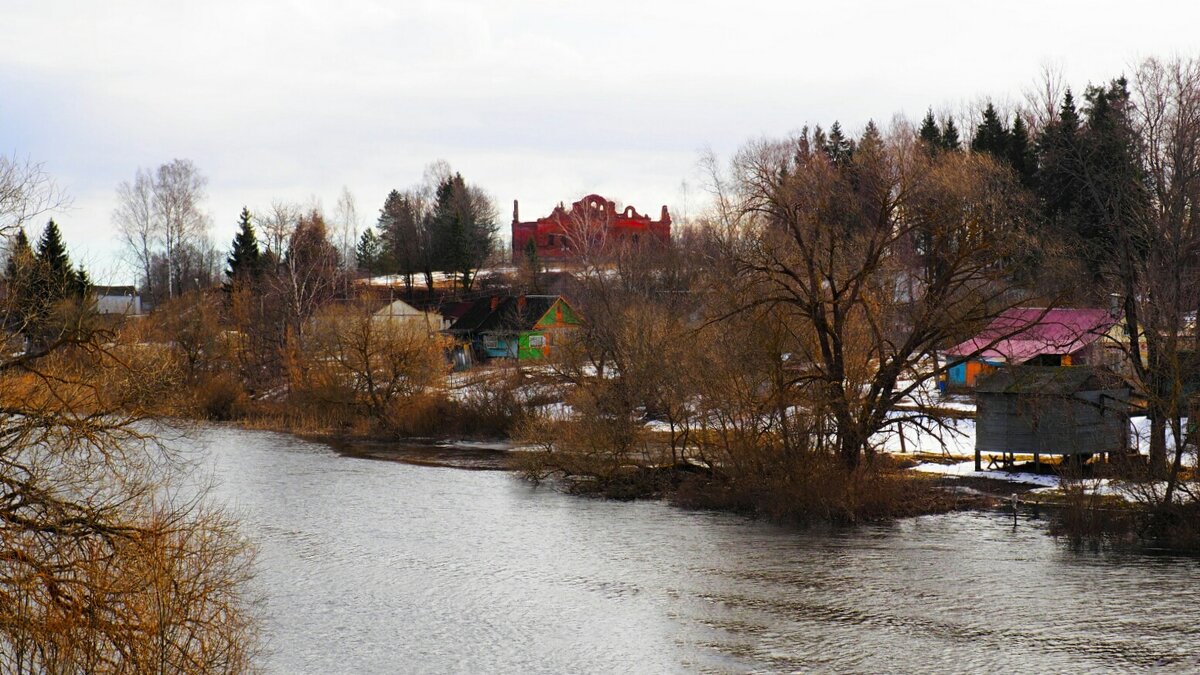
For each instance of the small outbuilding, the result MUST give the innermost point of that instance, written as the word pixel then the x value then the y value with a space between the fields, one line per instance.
pixel 1072 411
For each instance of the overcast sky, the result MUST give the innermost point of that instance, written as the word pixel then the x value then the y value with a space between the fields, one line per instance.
pixel 537 100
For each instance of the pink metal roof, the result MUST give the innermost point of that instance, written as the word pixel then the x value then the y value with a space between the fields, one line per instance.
pixel 1021 333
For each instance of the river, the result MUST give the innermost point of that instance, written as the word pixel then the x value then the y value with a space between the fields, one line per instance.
pixel 369 566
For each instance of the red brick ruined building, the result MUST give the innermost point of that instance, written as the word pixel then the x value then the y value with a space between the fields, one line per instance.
pixel 592 225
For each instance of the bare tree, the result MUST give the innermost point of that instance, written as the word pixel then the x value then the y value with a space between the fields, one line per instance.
pixel 309 272
pixel 380 364
pixel 1042 100
pixel 178 191
pixel 102 567
pixel 345 216
pixel 160 213
pixel 1158 268
pixel 277 226
pixel 26 192
pixel 136 223
pixel 825 246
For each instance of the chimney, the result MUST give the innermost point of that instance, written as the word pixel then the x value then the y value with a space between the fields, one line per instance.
pixel 516 218
pixel 520 303
pixel 495 302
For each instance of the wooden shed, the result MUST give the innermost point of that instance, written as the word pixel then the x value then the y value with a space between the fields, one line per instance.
pixel 1075 411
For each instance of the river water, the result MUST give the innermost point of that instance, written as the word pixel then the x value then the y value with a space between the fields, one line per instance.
pixel 369 566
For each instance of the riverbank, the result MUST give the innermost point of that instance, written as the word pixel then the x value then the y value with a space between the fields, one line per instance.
pixel 925 493
pixel 893 486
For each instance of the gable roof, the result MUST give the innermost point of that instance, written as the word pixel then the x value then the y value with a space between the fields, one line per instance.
pixel 509 313
pixel 1022 333
pixel 398 308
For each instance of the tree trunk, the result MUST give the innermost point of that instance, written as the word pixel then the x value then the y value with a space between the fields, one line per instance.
pixel 1158 440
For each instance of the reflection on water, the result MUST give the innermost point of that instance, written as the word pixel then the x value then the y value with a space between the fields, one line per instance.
pixel 385 567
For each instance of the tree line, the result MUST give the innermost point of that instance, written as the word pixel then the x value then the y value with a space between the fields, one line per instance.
pixel 832 270
pixel 445 226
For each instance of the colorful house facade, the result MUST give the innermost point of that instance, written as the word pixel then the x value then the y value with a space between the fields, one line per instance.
pixel 523 327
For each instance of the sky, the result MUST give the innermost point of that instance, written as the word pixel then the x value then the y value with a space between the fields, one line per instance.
pixel 543 101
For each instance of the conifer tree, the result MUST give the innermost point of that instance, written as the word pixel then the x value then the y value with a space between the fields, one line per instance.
pixel 55 277
pixel 991 136
pixel 81 283
pixel 245 258
pixel 369 252
pixel 839 148
pixel 401 236
pixel 929 133
pixel 533 265
pixel 1021 154
pixel 51 250
pixel 950 140
pixel 20 255
pixel 20 272
pixel 872 138
pixel 1112 165
pixel 819 140
pixel 463 229
pixel 1060 173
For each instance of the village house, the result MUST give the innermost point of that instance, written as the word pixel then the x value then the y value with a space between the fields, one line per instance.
pixel 117 300
pixel 400 314
pixel 1032 336
pixel 523 327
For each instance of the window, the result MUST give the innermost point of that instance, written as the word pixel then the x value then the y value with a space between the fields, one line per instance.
pixel 537 341
pixel 490 342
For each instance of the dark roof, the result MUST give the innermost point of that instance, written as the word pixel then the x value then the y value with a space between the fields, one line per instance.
pixel 1048 380
pixel 457 310
pixel 510 313
pixel 114 290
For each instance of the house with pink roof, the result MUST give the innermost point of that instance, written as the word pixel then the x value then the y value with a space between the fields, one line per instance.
pixel 1031 336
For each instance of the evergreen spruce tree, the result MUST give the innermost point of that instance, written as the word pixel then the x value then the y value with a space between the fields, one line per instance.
pixel 20 273
pixel 991 136
pixel 819 140
pixel 929 133
pixel 1111 161
pixel 462 229
pixel 369 252
pixel 55 277
pixel 872 138
pixel 81 283
pixel 950 140
pixel 401 237
pixel 388 226
pixel 20 255
pixel 245 259
pixel 839 148
pixel 1021 154
pixel 1059 176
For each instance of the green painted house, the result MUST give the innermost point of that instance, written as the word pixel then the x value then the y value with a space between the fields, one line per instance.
pixel 524 327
